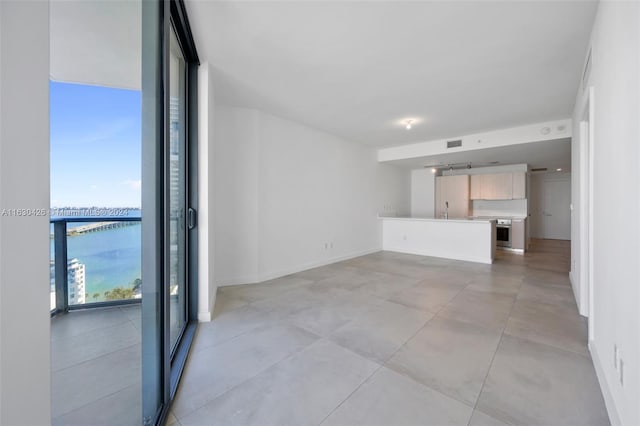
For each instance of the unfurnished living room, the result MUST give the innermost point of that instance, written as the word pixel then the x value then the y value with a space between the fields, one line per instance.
pixel 319 212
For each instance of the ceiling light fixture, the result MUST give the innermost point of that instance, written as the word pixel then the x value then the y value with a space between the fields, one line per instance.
pixel 409 124
pixel 558 170
pixel 434 170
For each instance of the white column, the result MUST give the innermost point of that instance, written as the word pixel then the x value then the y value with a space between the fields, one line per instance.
pixel 206 284
pixel 25 376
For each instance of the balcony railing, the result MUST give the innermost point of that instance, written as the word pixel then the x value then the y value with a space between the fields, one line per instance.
pixel 95 262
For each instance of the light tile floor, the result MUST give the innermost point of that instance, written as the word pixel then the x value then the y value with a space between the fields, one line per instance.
pixel 394 339
pixel 96 367
pixel 95 362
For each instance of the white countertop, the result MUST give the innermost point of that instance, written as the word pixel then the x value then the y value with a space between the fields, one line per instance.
pixel 434 219
pixel 501 217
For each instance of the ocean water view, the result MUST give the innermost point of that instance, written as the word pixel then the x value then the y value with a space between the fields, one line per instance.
pixel 111 257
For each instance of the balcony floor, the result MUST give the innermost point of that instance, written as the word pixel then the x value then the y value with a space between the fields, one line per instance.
pixel 96 367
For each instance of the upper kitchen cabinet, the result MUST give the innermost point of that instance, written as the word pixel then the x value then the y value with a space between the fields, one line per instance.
pixel 455 191
pixel 498 186
pixel 519 186
pixel 476 187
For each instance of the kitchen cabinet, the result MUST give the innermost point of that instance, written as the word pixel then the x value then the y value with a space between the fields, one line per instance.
pixel 519 181
pixel 455 191
pixel 498 186
pixel 476 187
pixel 518 234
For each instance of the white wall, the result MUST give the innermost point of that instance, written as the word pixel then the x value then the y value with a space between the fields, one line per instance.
pixel 206 241
pixel 423 193
pixel 284 192
pixel 24 243
pixel 615 77
pixel 235 183
pixel 507 168
pixel 558 129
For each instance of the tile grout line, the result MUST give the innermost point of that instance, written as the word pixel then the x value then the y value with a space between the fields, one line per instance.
pixel 96 358
pixel 388 358
pixel 375 371
pixel 248 378
pixel 380 365
pixel 100 399
pixel 366 380
pixel 279 321
pixel 484 381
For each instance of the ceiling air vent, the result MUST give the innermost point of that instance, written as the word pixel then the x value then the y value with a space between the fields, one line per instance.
pixel 539 169
pixel 454 144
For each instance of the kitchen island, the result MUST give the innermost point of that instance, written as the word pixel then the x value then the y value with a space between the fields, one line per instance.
pixel 472 240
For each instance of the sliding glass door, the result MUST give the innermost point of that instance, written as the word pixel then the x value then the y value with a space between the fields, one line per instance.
pixel 169 232
pixel 177 202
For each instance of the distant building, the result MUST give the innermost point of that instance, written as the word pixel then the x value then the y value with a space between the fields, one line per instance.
pixel 52 282
pixel 76 280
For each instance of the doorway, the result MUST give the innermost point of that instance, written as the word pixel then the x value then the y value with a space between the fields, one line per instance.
pixel 585 257
pixel 556 213
pixel 551 206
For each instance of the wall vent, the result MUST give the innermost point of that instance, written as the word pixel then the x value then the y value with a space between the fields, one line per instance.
pixel 454 144
pixel 539 169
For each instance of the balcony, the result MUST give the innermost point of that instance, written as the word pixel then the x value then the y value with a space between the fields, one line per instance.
pixel 96 320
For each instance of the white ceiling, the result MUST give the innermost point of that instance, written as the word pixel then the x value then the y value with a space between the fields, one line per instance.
pixel 356 69
pixel 552 154
pixel 96 42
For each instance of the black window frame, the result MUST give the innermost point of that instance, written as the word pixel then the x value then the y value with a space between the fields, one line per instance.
pixel 162 368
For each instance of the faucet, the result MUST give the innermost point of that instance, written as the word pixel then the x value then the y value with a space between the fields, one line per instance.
pixel 446 212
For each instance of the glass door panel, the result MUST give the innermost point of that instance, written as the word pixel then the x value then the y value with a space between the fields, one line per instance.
pixel 177 191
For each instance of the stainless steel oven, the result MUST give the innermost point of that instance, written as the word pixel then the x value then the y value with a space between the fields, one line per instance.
pixel 503 233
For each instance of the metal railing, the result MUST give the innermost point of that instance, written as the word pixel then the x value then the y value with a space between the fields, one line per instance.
pixel 61 233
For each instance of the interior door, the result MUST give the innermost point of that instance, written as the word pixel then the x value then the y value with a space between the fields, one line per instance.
pixel 556 215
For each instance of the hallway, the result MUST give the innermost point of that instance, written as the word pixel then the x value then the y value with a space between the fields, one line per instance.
pixel 390 338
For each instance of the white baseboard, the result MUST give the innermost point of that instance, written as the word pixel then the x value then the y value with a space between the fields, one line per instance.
pixel 239 280
pixel 614 418
pixel 486 260
pixel 292 270
pixel 276 274
pixel 204 316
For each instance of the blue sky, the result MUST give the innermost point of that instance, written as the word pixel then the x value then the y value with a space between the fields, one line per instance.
pixel 95 146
